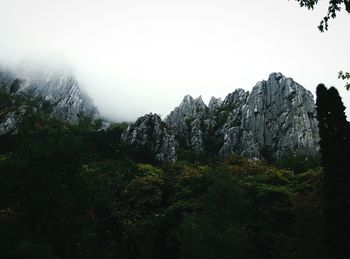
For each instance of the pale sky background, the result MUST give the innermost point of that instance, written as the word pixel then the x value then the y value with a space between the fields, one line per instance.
pixel 140 56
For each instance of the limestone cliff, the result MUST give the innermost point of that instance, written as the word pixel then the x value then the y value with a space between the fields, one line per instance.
pixel 275 119
pixel 151 133
pixel 58 89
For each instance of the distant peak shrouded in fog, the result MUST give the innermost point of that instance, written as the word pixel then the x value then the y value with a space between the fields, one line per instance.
pixel 50 76
pixel 135 57
pixel 52 84
pixel 39 69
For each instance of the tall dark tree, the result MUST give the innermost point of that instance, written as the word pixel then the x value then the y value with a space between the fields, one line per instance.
pixel 335 152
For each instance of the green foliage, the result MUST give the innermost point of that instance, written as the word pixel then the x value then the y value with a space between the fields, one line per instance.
pixel 297 163
pixel 218 228
pixel 345 76
pixel 5 99
pixel 333 8
pixel 58 195
pixel 41 185
pixel 74 192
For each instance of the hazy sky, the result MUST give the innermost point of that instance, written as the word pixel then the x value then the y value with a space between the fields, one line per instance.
pixel 140 56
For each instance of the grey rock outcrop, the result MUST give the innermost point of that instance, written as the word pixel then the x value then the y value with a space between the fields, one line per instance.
pixel 151 133
pixel 58 88
pixel 200 126
pixel 214 103
pixel 277 118
pixel 10 119
pixel 66 95
pixel 8 123
pixel 281 115
pixel 185 121
pixel 188 109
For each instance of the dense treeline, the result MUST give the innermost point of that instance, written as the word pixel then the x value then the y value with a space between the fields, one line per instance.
pixel 72 192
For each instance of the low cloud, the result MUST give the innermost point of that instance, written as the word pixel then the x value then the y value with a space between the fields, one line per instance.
pixel 134 57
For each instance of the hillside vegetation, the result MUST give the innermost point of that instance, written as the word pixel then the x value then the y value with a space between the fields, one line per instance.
pixel 73 192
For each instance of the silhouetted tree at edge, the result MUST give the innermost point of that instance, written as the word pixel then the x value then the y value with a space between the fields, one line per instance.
pixel 335 157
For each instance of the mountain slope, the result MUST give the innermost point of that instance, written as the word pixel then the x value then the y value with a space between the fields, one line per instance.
pixel 56 89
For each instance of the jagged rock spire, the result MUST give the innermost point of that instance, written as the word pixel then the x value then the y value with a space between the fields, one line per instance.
pixel 275 119
pixel 59 88
pixel 151 133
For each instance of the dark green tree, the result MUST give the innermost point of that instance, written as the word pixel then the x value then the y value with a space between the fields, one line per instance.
pixel 335 156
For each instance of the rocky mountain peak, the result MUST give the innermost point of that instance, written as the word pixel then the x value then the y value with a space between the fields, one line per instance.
pixel 275 119
pixel 200 105
pixel 280 114
pixel 275 76
pixel 55 92
pixel 59 88
pixel 238 96
pixel 214 103
pixel 188 99
pixel 188 109
pixel 151 134
pixel 190 106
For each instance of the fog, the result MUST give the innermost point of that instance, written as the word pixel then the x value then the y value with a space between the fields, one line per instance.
pixel 138 56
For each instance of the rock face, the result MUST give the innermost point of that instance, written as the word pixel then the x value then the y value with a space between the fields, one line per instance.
pixel 11 119
pixel 186 120
pixel 275 119
pixel 59 89
pixel 66 95
pixel 151 133
pixel 281 116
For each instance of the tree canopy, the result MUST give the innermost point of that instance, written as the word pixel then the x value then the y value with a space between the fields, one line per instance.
pixel 334 7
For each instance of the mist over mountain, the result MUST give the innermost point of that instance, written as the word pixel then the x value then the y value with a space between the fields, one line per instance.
pixel 276 118
pixel 151 54
pixel 54 90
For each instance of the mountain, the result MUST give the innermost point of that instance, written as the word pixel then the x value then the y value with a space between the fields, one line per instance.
pixel 275 119
pixel 150 132
pixel 54 88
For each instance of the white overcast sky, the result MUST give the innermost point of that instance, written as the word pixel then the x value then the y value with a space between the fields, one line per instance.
pixel 140 56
